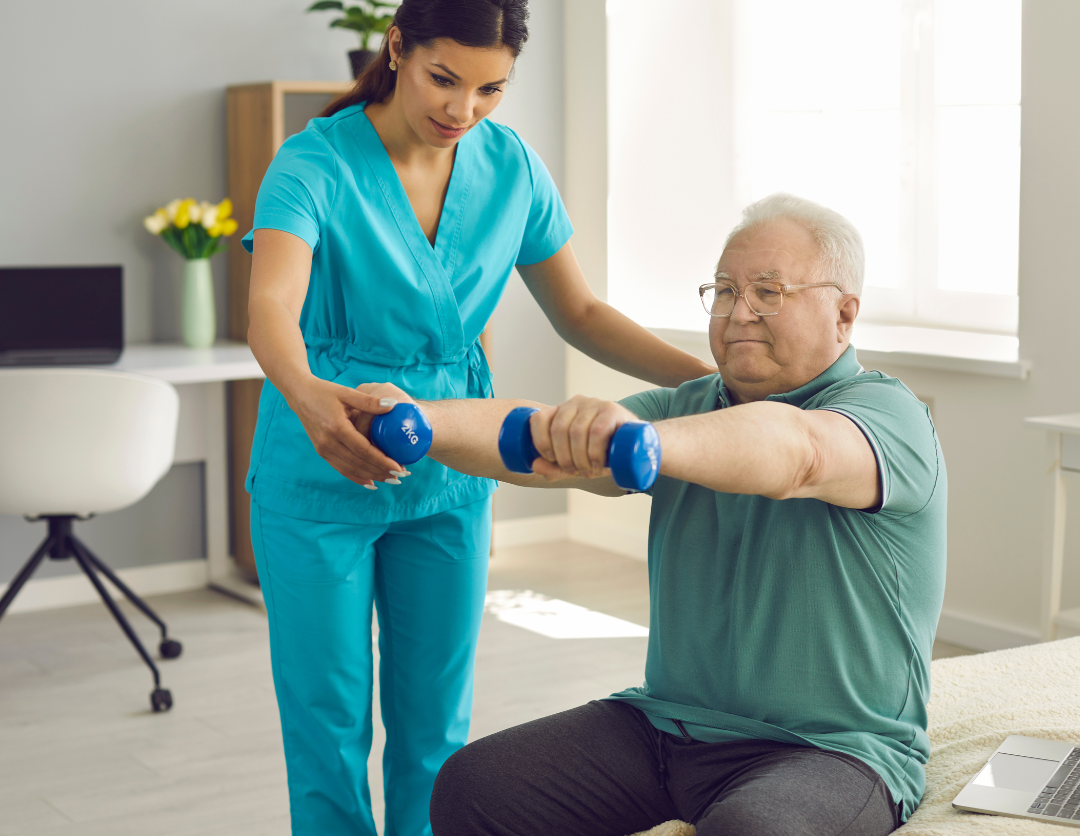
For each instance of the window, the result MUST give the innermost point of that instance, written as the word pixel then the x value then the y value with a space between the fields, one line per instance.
pixel 904 115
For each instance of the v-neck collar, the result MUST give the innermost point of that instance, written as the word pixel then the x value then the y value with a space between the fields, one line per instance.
pixel 448 230
pixel 437 263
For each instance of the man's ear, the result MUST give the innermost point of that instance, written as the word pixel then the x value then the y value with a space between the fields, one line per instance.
pixel 845 317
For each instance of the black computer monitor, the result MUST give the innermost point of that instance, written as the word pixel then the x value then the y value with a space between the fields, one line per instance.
pixel 61 315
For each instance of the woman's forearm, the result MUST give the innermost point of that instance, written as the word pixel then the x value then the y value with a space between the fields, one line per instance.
pixel 278 344
pixel 612 338
pixel 598 330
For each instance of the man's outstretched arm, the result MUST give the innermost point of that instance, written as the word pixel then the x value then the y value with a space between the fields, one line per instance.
pixel 465 437
pixel 774 450
pixel 764 448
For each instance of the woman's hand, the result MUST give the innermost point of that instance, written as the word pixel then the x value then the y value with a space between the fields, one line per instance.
pixel 328 412
pixel 382 392
pixel 573 438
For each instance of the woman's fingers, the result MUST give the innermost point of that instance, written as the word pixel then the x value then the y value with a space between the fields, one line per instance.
pixel 373 402
pixel 347 466
pixel 362 450
pixel 336 418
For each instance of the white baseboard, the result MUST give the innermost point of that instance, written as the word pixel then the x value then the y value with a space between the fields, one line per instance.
pixel 592 532
pixel 629 542
pixel 977 634
pixel 528 530
pixel 72 590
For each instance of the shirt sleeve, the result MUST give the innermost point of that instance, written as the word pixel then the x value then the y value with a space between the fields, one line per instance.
pixel 651 405
pixel 298 189
pixel 548 227
pixel 901 433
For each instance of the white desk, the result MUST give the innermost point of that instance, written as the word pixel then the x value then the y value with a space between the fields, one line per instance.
pixel 1064 443
pixel 199 375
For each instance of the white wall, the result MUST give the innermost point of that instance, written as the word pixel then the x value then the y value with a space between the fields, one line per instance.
pixel 113 107
pixel 997 468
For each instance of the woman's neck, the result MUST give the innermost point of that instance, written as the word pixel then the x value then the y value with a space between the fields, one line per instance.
pixel 401 142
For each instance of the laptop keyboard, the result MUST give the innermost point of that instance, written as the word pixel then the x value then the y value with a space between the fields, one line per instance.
pixel 1060 797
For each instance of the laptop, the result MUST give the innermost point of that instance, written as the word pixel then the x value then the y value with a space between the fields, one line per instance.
pixel 61 315
pixel 1027 778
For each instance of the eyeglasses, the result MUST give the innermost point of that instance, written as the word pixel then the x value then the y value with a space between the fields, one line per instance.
pixel 763 298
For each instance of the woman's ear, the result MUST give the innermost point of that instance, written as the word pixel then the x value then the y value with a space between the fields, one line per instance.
pixel 393 43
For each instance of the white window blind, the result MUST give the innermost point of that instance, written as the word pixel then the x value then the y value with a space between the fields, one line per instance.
pixel 904 115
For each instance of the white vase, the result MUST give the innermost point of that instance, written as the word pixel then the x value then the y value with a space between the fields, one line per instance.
pixel 198 321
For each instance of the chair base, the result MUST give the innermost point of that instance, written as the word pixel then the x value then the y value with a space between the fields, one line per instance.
pixel 61 544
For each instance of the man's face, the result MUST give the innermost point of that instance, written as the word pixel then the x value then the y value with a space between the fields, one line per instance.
pixel 769 355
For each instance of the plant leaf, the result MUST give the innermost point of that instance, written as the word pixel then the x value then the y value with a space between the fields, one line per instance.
pixel 324 5
pixel 187 237
pixel 344 23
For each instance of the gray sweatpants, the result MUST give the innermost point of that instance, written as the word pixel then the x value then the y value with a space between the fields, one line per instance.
pixel 604 770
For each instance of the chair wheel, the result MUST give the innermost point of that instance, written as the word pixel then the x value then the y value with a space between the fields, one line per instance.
pixel 170 649
pixel 161 700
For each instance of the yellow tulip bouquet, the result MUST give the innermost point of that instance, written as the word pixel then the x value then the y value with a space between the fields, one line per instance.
pixel 196 231
pixel 193 229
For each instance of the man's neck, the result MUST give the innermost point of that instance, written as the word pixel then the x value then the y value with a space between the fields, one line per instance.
pixel 740 392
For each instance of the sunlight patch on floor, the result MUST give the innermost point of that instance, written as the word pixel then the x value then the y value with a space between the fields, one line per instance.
pixel 557 619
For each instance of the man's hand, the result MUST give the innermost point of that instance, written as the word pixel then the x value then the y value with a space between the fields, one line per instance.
pixel 573 438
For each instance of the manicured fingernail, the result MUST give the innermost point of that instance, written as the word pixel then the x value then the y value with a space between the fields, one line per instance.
pixel 386 403
pixel 370 487
pixel 400 473
pixel 393 481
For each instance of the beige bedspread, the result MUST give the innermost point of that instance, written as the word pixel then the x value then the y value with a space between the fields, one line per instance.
pixel 977 702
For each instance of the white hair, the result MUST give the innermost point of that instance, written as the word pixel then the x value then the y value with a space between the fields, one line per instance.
pixel 842 259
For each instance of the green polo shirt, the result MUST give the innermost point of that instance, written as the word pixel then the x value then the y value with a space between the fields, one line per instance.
pixel 795 620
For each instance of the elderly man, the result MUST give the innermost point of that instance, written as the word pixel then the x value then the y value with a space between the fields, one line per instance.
pixel 796 572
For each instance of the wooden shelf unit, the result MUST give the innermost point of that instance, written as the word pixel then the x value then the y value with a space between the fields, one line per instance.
pixel 260 118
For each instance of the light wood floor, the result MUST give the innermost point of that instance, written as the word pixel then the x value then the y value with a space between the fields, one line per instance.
pixel 82 755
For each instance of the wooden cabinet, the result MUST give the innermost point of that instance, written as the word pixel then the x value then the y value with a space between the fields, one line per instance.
pixel 260 117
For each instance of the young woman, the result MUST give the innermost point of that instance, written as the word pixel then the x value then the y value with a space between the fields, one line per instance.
pixel 384 234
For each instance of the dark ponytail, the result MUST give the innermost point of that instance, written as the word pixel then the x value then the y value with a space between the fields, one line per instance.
pixel 478 23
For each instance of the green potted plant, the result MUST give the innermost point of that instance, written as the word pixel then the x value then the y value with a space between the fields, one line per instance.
pixel 369 17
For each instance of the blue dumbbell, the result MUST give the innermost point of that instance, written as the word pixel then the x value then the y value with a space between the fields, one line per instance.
pixel 403 433
pixel 633 454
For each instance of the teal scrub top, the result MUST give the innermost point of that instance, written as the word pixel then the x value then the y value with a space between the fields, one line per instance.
pixel 795 620
pixel 383 305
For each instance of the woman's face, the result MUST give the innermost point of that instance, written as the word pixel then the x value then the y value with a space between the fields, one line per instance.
pixel 446 89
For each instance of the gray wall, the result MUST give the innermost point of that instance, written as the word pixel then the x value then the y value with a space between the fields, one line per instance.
pixel 529 359
pixel 116 106
pixel 166 525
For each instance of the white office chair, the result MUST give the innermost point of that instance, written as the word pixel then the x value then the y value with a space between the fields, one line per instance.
pixel 79 442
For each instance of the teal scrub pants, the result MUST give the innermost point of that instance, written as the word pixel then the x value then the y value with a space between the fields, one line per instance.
pixel 427 580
